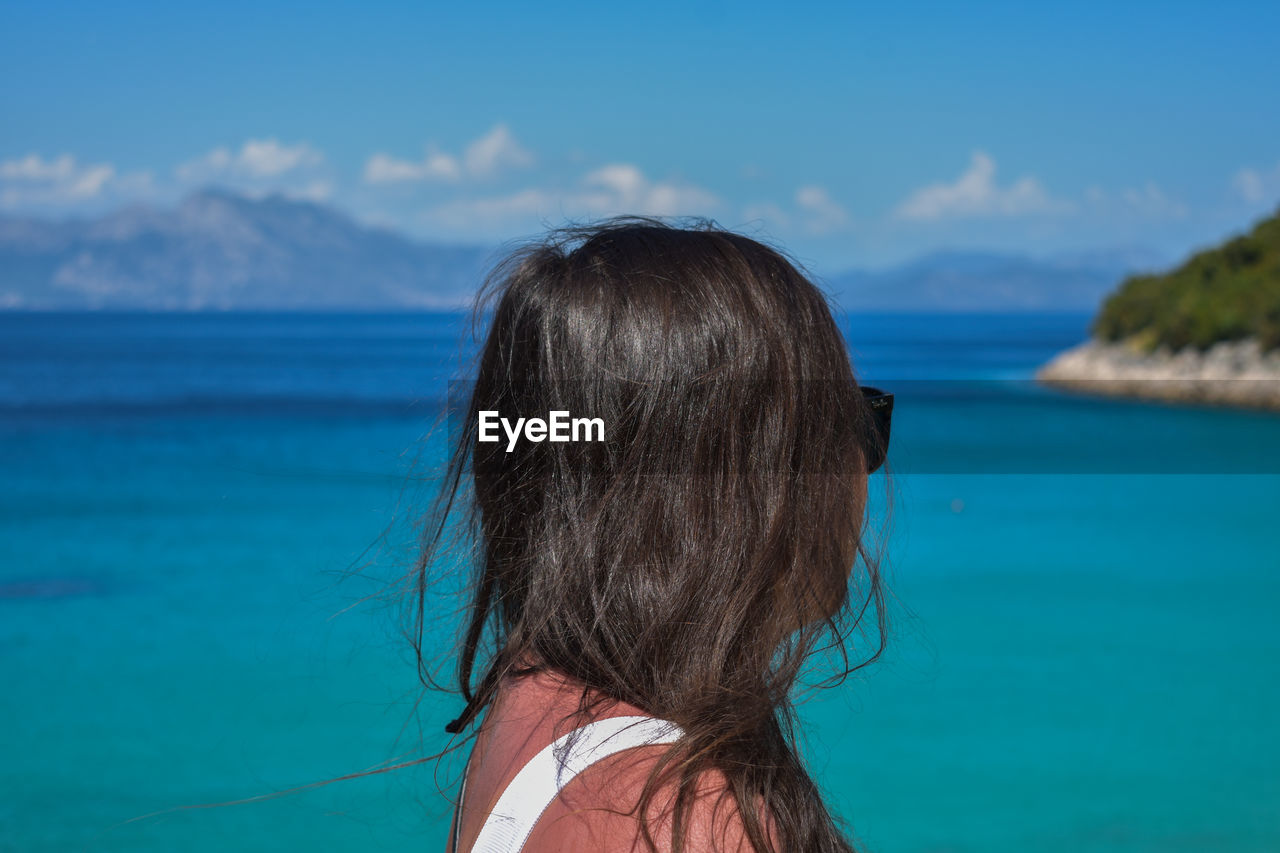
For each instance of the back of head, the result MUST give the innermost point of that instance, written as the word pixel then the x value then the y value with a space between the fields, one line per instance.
pixel 690 561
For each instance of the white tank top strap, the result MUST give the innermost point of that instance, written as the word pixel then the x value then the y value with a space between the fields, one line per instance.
pixel 540 781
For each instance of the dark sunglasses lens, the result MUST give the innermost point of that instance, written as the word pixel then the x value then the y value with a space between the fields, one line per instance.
pixel 881 405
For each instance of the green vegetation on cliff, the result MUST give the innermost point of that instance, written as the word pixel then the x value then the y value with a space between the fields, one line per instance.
pixel 1220 294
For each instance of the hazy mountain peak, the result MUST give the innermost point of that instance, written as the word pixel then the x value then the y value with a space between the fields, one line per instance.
pixel 977 280
pixel 216 249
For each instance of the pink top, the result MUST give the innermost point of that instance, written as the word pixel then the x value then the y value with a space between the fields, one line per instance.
pixel 589 814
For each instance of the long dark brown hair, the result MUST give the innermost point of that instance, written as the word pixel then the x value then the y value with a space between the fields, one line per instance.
pixel 694 562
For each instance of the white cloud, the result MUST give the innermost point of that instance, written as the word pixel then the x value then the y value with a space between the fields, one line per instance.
pixel 622 178
pixel 822 214
pixel 612 189
pixel 385 169
pixel 261 167
pixel 1148 201
pixel 267 157
pixel 976 193
pixel 33 167
pixel 1248 183
pixel 63 180
pixel 623 188
pixel 495 152
pixel 812 211
pixel 1257 185
pixel 256 159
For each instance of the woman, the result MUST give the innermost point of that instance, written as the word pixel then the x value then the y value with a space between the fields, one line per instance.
pixel 645 598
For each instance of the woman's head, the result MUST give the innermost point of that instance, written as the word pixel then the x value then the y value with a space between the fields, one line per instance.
pixel 690 561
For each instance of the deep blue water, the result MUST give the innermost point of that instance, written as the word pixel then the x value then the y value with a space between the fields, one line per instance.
pixel 1083 648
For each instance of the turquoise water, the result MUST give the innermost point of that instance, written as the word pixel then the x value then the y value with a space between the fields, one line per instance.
pixel 1083 650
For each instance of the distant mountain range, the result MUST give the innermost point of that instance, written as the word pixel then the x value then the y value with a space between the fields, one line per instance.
pixel 989 281
pixel 220 251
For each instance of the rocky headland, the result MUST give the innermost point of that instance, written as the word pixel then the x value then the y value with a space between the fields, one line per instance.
pixel 1205 332
pixel 1229 373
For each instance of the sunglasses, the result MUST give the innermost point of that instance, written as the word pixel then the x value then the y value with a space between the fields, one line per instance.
pixel 881 405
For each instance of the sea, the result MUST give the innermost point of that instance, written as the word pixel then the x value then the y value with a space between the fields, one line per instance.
pixel 204 517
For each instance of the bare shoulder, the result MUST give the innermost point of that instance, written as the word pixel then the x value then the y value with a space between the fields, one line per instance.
pixel 599 810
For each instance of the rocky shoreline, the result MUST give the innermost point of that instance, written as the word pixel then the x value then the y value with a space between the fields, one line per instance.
pixel 1230 373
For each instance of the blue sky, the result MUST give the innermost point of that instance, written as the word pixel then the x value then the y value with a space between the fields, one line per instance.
pixel 853 133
